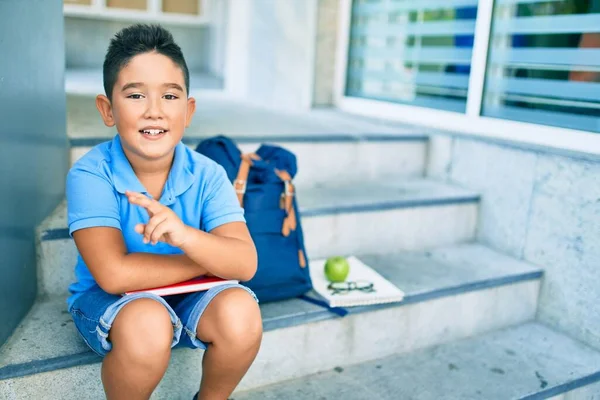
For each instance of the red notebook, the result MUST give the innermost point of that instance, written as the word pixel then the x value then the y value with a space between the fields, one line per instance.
pixel 193 285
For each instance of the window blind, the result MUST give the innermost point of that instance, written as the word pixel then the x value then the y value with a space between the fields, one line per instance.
pixel 413 52
pixel 544 63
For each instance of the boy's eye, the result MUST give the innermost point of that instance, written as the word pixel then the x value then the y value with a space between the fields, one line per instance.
pixel 134 96
pixel 170 97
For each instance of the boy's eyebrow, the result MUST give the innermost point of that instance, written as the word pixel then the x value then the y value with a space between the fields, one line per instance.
pixel 131 85
pixel 173 86
pixel 139 84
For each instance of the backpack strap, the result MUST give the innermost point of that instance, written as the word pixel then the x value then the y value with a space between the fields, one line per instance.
pixel 301 258
pixel 341 311
pixel 289 223
pixel 241 181
pixel 287 203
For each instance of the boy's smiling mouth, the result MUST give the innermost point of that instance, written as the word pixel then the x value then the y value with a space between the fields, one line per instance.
pixel 153 132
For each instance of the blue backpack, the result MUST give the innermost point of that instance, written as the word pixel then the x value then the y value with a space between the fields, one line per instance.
pixel 263 183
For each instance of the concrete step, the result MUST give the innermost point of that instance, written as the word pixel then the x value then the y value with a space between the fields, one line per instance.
pixel 524 362
pixel 368 217
pixel 451 293
pixel 328 157
pixel 235 118
pixel 329 145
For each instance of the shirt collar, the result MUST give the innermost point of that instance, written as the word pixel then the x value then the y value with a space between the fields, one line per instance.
pixel 122 172
pixel 180 177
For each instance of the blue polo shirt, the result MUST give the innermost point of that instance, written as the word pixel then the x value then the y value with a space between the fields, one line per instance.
pixel 197 190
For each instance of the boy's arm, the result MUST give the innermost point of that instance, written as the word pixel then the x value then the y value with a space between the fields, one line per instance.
pixel 115 271
pixel 227 251
pixel 94 222
pixel 221 243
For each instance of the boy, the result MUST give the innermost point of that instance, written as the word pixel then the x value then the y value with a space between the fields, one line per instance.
pixel 146 211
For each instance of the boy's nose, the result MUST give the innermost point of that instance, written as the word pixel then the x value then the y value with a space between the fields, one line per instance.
pixel 153 111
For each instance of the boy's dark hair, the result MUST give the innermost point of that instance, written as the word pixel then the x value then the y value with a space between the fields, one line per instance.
pixel 139 39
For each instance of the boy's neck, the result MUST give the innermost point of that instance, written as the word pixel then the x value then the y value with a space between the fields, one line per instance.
pixel 152 174
pixel 150 168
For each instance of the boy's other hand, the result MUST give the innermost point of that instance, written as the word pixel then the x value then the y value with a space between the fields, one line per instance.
pixel 164 225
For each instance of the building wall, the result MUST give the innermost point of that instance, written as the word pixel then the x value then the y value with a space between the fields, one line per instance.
pixel 543 208
pixel 87 41
pixel 217 37
pixel 270 52
pixel 325 57
pixel 33 143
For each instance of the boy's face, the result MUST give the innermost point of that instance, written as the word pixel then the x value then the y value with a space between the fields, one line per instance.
pixel 149 106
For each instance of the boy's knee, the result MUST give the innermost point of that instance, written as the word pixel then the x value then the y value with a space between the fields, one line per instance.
pixel 237 318
pixel 143 329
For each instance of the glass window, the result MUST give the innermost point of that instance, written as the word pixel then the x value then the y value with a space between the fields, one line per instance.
pixel 129 4
pixel 413 52
pixel 181 6
pixel 80 2
pixel 544 63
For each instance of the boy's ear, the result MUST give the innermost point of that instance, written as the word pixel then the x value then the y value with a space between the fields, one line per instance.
pixel 105 108
pixel 191 108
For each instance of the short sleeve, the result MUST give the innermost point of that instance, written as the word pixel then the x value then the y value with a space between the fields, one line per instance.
pixel 91 201
pixel 220 204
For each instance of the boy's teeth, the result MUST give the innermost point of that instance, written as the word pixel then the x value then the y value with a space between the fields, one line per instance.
pixel 153 131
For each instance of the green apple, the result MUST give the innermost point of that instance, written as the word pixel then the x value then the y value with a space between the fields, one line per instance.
pixel 337 269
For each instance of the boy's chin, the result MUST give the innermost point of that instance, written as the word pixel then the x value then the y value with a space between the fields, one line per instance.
pixel 156 153
pixel 155 150
pixel 150 148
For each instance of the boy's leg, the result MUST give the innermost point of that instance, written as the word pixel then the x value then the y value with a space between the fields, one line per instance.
pixel 231 325
pixel 141 337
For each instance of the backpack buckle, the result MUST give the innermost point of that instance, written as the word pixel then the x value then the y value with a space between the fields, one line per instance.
pixel 242 188
pixel 288 188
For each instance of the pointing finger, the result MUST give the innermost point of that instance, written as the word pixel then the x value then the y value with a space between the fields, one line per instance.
pixel 151 226
pixel 139 228
pixel 152 206
pixel 159 231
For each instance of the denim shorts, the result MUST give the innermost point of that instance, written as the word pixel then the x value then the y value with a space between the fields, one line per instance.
pixel 95 310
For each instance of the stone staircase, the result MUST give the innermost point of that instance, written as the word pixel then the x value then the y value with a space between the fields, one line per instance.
pixel 466 329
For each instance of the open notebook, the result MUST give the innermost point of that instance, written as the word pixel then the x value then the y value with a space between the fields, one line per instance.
pixel 193 285
pixel 381 290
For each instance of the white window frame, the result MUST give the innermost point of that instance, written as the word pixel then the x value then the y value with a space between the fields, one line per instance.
pixel 99 10
pixel 469 123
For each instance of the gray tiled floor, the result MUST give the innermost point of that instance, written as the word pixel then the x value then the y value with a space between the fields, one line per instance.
pixel 506 364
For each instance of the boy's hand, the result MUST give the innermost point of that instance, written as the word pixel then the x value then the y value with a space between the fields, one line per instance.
pixel 164 225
